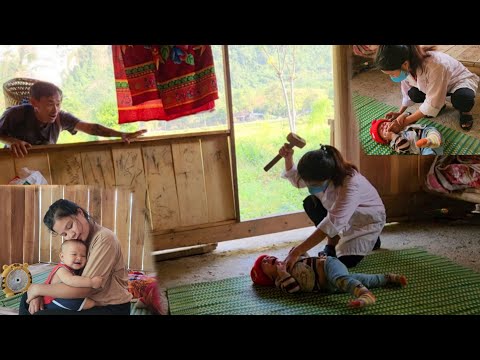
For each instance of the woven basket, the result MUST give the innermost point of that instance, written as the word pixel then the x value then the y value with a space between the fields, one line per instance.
pixel 17 91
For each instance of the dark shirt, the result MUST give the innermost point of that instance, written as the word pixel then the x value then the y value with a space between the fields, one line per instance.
pixel 20 122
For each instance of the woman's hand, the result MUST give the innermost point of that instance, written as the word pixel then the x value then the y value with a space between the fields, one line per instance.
pixel 292 258
pixel 34 300
pixel 398 124
pixel 97 282
pixel 32 293
pixel 286 151
pixel 35 305
pixel 281 267
pixel 392 115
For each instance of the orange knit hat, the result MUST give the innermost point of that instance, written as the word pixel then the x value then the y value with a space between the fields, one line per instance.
pixel 257 274
pixel 374 131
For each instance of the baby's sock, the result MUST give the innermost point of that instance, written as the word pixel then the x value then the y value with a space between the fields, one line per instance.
pixel 433 140
pixel 423 143
pixel 364 297
pixel 396 279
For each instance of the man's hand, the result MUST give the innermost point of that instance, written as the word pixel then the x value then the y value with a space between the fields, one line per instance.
pixel 129 136
pixel 97 282
pixel 19 148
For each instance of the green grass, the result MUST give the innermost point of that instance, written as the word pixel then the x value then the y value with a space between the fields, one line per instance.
pixel 266 193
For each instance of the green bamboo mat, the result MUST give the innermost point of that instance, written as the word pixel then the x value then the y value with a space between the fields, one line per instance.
pixel 436 286
pixel 368 109
pixel 13 302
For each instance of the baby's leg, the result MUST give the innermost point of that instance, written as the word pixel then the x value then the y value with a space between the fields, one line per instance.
pixel 379 280
pixel 371 280
pixel 89 303
pixel 352 285
pixel 396 279
pixel 431 138
pixel 364 297
pixel 338 274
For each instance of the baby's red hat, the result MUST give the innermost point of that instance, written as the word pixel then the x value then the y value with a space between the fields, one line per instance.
pixel 374 131
pixel 257 274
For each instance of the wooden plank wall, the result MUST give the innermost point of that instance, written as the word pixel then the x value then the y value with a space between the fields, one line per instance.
pixel 177 182
pixel 26 239
pixel 397 180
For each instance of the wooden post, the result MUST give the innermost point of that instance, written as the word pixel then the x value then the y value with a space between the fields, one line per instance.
pixel 231 127
pixel 346 130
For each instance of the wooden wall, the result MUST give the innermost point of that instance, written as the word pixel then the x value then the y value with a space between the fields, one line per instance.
pixel 26 239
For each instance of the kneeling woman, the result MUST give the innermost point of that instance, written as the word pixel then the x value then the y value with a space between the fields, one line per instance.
pixel 344 206
pixel 104 258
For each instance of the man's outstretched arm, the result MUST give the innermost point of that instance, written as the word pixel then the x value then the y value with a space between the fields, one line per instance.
pixel 100 130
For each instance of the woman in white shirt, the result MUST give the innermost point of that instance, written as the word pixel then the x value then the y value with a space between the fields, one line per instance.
pixel 349 211
pixel 428 77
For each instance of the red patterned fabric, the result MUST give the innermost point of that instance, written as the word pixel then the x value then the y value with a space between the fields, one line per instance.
pixel 163 82
pixel 365 50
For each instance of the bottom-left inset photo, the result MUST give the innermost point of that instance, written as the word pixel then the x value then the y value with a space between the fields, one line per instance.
pixel 74 250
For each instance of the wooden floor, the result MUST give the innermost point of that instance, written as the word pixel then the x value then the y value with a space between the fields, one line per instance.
pixel 468 55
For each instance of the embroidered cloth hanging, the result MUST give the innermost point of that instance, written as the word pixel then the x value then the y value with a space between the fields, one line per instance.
pixel 163 82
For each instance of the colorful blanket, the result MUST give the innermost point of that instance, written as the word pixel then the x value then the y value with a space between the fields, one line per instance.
pixel 453 173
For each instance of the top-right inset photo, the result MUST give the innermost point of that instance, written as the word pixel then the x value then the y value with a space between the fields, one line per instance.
pixel 417 99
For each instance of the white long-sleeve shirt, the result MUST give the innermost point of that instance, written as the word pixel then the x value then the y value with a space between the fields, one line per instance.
pixel 442 75
pixel 355 212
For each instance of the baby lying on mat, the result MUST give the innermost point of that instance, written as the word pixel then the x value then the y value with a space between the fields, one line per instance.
pixel 323 274
pixel 414 139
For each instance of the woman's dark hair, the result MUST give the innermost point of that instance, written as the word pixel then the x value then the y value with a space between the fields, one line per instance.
pixel 391 57
pixel 60 209
pixel 44 89
pixel 323 164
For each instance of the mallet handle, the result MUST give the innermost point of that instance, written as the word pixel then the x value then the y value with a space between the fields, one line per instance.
pixel 271 163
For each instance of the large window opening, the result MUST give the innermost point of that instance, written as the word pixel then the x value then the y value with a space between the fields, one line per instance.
pixel 262 122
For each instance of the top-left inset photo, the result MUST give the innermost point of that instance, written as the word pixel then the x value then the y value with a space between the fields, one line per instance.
pixel 417 99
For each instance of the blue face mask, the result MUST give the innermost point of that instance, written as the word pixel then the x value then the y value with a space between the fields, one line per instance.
pixel 403 75
pixel 318 189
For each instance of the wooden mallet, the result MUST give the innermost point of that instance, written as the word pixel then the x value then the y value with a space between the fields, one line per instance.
pixel 293 140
